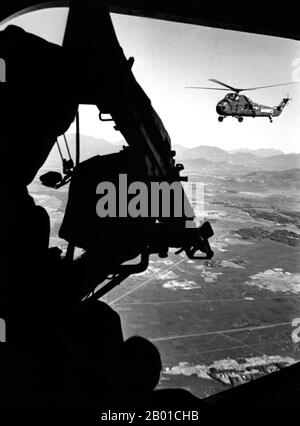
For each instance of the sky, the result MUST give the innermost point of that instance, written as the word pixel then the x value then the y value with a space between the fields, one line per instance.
pixel 170 56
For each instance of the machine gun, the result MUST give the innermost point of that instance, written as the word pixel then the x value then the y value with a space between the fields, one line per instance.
pixel 108 82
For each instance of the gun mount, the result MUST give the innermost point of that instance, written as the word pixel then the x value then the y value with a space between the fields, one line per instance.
pixel 106 80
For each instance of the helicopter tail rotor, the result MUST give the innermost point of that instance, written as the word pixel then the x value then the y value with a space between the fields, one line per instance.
pixel 285 101
pixel 289 98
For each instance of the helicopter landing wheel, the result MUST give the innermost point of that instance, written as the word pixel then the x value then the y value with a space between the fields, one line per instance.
pixel 220 119
pixel 240 119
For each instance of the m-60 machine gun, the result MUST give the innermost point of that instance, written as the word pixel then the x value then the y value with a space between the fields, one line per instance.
pixel 106 80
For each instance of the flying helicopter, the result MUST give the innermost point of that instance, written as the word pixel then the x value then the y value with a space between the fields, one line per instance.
pixel 240 106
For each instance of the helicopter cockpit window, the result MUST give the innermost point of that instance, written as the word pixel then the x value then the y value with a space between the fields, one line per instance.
pixel 231 96
pixel 222 322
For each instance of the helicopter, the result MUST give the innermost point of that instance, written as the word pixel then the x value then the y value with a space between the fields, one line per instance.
pixel 240 106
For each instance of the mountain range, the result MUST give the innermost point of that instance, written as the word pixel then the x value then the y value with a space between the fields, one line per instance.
pixel 89 147
pixel 214 157
pixel 261 152
pixel 207 157
pixel 279 179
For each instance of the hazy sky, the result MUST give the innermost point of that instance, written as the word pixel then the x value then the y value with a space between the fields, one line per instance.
pixel 170 56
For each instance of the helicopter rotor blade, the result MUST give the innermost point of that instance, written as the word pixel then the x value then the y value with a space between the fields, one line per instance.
pixel 206 88
pixel 234 89
pixel 272 85
pixel 225 85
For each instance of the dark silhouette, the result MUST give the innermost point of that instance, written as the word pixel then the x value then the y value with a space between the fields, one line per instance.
pixel 138 371
pixel 53 339
pixel 64 348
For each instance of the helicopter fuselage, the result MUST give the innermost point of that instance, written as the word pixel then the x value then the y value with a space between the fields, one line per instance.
pixel 236 105
pixel 239 106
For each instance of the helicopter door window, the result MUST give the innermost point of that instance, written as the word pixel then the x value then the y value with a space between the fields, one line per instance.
pixel 49 24
pixel 252 263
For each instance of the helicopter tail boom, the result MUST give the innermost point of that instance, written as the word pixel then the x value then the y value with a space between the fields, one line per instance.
pixel 283 104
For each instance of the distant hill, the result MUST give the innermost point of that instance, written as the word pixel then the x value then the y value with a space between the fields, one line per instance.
pixel 275 179
pixel 283 161
pixel 89 147
pixel 210 153
pixel 201 163
pixel 204 157
pixel 262 152
pixel 247 159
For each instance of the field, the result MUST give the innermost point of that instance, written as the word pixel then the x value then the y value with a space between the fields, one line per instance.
pixel 222 322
